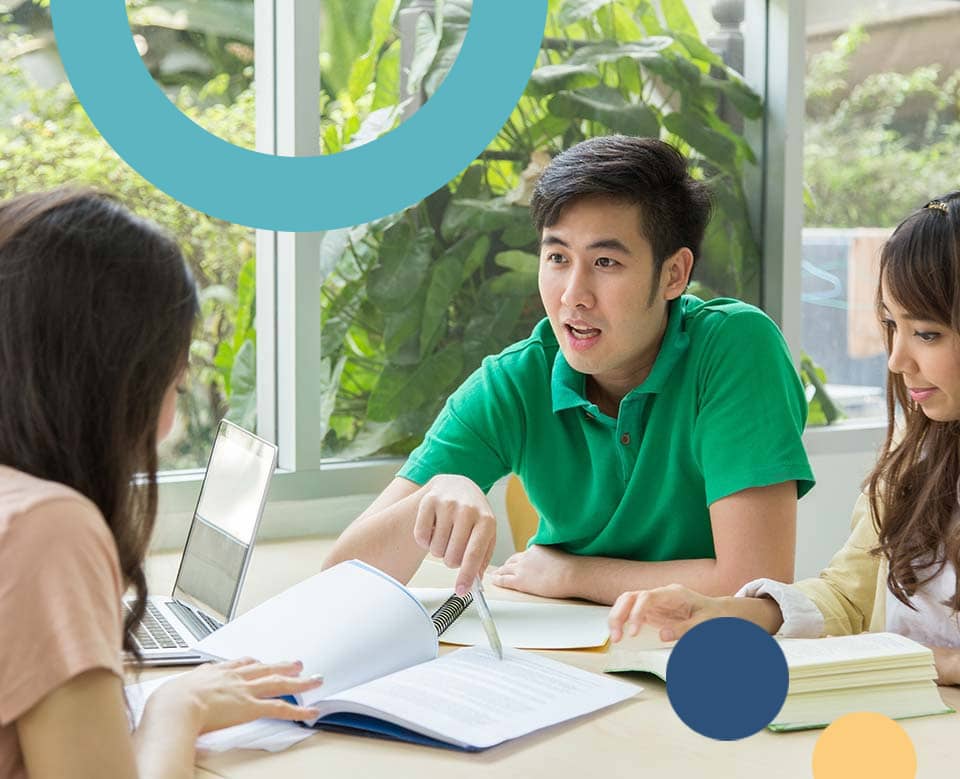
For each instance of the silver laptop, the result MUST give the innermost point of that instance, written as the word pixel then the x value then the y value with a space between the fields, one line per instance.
pixel 217 551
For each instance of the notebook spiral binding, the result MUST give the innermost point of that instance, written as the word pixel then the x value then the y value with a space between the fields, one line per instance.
pixel 452 608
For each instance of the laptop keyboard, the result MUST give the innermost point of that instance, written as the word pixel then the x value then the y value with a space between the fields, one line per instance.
pixel 156 632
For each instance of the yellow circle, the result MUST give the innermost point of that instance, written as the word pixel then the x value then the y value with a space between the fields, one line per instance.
pixel 864 745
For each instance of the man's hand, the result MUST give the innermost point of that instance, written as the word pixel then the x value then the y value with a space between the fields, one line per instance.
pixel 540 570
pixel 455 522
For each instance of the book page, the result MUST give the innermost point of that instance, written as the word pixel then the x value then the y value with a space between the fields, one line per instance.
pixel 471 698
pixel 524 625
pixel 350 623
pixel 813 654
pixel 802 652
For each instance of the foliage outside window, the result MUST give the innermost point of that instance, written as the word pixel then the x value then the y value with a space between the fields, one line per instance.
pixel 413 302
pixel 203 60
pixel 873 152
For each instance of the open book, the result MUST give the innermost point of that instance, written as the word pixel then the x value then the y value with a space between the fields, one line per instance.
pixel 829 677
pixel 376 647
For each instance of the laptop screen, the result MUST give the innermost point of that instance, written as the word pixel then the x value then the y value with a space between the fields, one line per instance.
pixel 225 523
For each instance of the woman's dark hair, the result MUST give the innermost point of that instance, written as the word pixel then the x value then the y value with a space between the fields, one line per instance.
pixel 96 315
pixel 914 485
pixel 674 208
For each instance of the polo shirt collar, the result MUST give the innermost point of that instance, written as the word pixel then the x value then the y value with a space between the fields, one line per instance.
pixel 568 387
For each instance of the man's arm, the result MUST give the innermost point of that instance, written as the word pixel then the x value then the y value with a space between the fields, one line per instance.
pixel 754 535
pixel 383 534
pixel 449 517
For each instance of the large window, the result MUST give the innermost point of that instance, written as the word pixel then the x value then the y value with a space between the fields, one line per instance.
pixel 342 346
pixel 411 303
pixel 882 138
pixel 201 54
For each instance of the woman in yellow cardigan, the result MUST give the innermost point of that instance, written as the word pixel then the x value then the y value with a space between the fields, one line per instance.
pixel 898 571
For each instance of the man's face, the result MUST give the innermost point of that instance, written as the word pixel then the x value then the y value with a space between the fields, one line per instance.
pixel 596 283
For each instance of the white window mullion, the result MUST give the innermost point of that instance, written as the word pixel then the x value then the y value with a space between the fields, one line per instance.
pixel 265 69
pixel 298 282
pixel 783 171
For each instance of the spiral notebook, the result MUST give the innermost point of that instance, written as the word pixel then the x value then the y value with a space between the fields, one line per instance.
pixel 376 647
pixel 521 624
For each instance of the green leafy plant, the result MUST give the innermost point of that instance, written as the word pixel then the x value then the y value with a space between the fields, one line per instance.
pixel 414 301
pixel 877 150
pixel 48 141
pixel 821 408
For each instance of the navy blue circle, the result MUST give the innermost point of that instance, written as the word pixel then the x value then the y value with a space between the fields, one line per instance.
pixel 727 678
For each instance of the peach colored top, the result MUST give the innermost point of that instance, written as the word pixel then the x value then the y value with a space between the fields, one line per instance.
pixel 60 589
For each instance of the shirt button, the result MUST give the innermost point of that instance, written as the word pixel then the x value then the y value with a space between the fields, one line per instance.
pixel 625 439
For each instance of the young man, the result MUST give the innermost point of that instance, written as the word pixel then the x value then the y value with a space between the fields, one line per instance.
pixel 658 436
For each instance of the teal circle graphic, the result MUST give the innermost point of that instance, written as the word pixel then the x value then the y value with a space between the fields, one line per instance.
pixel 298 194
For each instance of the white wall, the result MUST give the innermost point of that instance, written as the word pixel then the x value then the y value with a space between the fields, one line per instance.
pixel 823 521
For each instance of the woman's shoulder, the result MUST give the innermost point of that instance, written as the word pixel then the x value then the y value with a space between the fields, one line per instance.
pixel 35 511
pixel 22 492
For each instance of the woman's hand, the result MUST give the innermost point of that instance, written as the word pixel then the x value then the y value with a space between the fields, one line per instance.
pixel 948 665
pixel 675 609
pixel 219 695
pixel 455 522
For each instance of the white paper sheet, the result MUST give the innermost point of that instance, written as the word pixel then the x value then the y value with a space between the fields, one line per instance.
pixel 349 624
pixel 471 698
pixel 524 625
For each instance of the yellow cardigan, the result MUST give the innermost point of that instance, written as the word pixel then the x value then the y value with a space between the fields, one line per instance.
pixel 851 592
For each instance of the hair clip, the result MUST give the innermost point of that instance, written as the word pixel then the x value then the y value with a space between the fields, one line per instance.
pixel 939 205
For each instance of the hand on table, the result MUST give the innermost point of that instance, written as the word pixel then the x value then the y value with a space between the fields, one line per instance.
pixel 539 570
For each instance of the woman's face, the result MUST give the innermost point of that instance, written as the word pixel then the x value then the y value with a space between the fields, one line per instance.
pixel 926 354
pixel 168 411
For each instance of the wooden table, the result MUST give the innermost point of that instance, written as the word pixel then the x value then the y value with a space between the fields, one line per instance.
pixel 641 737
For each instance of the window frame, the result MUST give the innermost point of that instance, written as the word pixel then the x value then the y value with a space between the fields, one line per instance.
pixel 289 379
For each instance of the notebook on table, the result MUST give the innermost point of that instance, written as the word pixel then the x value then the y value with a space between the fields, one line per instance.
pixel 217 551
pixel 376 647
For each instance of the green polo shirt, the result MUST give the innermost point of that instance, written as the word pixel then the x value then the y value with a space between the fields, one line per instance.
pixel 721 411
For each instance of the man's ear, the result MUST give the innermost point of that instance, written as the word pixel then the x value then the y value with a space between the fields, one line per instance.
pixel 675 273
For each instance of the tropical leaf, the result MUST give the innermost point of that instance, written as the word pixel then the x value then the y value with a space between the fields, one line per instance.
pixel 243 383
pixel 523 262
pixel 445 281
pixel 480 216
pixel 611 51
pixel 404 261
pixel 400 390
pixel 716 147
pixel 607 106
pixel 516 283
pixel 553 78
pixel 573 11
